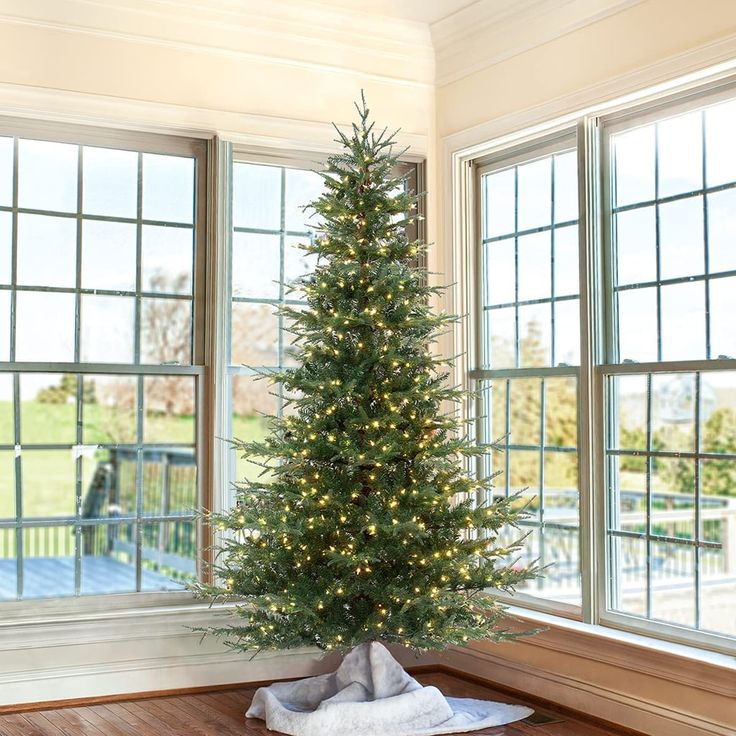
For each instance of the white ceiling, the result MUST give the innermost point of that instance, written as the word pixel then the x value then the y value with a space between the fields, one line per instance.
pixel 423 11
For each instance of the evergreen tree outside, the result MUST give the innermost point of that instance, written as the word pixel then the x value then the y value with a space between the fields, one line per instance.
pixel 363 525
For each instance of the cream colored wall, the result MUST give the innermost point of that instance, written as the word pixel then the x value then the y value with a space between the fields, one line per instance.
pixel 643 44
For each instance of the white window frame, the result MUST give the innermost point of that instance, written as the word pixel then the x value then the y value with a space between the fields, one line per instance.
pixel 595 333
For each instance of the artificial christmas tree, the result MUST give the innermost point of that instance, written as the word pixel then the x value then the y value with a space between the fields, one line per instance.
pixel 365 526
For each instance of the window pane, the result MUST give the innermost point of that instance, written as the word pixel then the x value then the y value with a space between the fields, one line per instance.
pixel 108 255
pixel 500 268
pixel 170 481
pixel 48 556
pixel 673 583
pixel 526 404
pixel 681 238
pixel 535 194
pixel 168 188
pixel 500 203
pixel 56 313
pixel 637 324
pixel 535 266
pixel 47 175
pixel 567 332
pixel 566 187
pixel 6 171
pixel 49 482
pixel 47 250
pixel 566 261
pixel 167 259
pixel 48 408
pixel 168 552
pixel 4 325
pixel 634 165
pixel 636 246
pixel 683 321
pixel 169 403
pixel 166 331
pixel 501 334
pixel 6 246
pixel 302 187
pixel 722 309
pixel 256 265
pixel 108 326
pixel 680 142
pixel 7 499
pixel 628 569
pixel 534 335
pixel 673 412
pixel 254 335
pixel 297 264
pixel 720 145
pixel 256 196
pixel 110 410
pixel 110 182
pixel 7 430
pixel 722 231
pixel 108 559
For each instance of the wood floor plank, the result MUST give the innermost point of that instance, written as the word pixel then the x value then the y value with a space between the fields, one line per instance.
pixel 222 713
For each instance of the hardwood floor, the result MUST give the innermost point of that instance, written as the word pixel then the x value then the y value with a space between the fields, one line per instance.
pixel 221 713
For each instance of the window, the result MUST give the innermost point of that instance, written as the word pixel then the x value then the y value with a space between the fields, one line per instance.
pixel 655 429
pixel 101 360
pixel 269 223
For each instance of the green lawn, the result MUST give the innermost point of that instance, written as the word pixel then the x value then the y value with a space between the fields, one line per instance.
pixel 49 475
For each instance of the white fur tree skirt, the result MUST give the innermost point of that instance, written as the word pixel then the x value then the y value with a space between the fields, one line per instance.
pixel 370 694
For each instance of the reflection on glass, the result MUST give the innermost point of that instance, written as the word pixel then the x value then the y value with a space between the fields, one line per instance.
pixel 6 172
pixel 301 188
pixel 636 238
pixel 526 406
pixel 567 332
pixel 637 324
pixel 49 482
pixel 535 266
pixel 634 165
pixel 256 265
pixel 109 410
pixel 168 188
pixel 500 203
pixel 110 182
pixel 167 259
pixel 534 335
pixel 47 250
pixel 48 413
pixel 108 255
pixel 680 142
pixel 7 496
pixel 256 196
pixel 720 121
pixel 107 328
pixel 722 231
pixel 47 175
pixel 535 194
pixel 566 261
pixel 566 187
pixel 683 321
pixel 673 412
pixel 501 332
pixel 4 325
pixel 169 407
pixel 500 260
pixel 166 331
pixel 6 246
pixel 254 335
pixel 681 250
pixel 56 313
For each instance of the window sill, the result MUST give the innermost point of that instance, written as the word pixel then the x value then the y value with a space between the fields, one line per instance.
pixel 680 663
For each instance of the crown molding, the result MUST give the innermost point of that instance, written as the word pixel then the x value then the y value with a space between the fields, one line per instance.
pixel 491 31
pixel 288 32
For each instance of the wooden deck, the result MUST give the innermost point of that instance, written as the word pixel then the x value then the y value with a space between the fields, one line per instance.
pixel 221 713
pixel 54 577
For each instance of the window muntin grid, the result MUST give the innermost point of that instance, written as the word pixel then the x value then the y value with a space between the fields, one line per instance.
pixel 527 381
pixel 673 192
pixel 268 226
pixel 529 263
pixel 96 346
